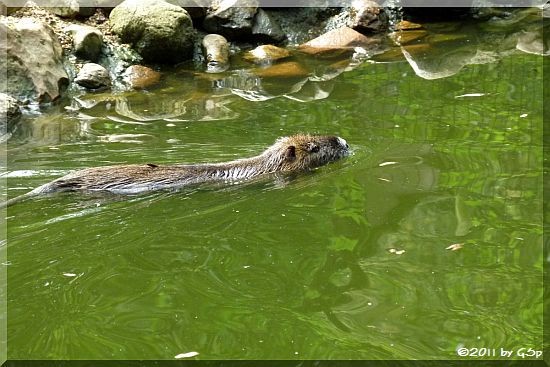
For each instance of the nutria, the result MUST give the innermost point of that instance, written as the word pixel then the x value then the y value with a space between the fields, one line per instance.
pixel 294 153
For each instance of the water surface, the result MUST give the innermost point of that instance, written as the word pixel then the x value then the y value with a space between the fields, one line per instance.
pixel 427 239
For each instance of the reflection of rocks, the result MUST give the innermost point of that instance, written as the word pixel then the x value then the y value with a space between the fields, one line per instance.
pixel 533 42
pixel 140 108
pixel 406 37
pixel 438 217
pixel 141 77
pixel 231 18
pixel 47 129
pixel 396 53
pixel 342 38
pixel 289 69
pixel 159 31
pixel 443 63
pixel 216 51
pixel 9 113
pixel 291 80
pixel 33 62
pixel 310 91
pixel 93 76
pixel 87 41
pixel 266 54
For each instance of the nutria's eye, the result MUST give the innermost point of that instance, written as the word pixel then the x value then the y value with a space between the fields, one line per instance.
pixel 312 147
pixel 290 153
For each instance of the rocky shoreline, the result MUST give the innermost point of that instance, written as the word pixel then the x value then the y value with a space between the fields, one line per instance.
pixel 52 51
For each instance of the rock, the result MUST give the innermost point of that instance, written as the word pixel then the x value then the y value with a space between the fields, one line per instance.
pixel 158 31
pixel 289 69
pixel 266 29
pixel 342 38
pixel 368 16
pixel 216 50
pixel 141 77
pixel 33 61
pixel 195 8
pixel 405 25
pixel 67 8
pixel 93 76
pixel 87 41
pixel 231 18
pixel 265 54
pixel 9 113
pixel 107 5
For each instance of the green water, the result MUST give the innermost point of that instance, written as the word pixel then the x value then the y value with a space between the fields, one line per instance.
pixel 348 262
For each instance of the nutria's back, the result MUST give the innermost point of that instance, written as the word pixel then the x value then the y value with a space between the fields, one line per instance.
pixel 294 153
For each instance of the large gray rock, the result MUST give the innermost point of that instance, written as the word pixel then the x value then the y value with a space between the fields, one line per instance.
pixel 368 17
pixel 159 31
pixel 33 61
pixel 87 41
pixel 231 18
pixel 93 76
pixel 9 113
pixel 266 29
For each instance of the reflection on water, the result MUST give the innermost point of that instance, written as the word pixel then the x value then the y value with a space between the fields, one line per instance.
pixel 426 239
pixel 439 50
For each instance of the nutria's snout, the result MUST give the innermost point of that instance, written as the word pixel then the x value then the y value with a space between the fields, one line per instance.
pixel 338 142
pixel 343 142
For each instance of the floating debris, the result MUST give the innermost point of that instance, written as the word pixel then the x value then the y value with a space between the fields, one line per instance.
pixel 471 95
pixel 186 355
pixel 396 251
pixel 455 246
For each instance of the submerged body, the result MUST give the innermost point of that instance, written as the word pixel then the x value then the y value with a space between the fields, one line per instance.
pixel 293 153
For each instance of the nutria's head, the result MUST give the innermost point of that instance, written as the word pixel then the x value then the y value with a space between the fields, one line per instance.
pixel 303 152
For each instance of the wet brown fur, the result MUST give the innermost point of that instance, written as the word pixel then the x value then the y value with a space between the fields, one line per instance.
pixel 294 153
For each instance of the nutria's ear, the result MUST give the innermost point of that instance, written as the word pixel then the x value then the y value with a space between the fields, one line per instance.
pixel 290 153
pixel 312 147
